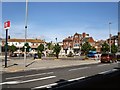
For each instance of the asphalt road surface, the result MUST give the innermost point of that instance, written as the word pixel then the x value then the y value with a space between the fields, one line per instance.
pixel 49 77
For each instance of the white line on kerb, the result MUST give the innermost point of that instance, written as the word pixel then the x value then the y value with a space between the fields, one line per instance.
pixel 79 68
pixel 76 79
pixel 45 86
pixel 29 75
pixel 108 71
pixel 53 84
pixel 20 82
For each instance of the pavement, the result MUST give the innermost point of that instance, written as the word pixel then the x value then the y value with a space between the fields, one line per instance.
pixel 45 63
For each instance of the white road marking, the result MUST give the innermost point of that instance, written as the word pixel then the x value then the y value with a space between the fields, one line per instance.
pixel 32 80
pixel 76 79
pixel 53 84
pixel 79 68
pixel 38 79
pixel 45 86
pixel 108 71
pixel 10 82
pixel 29 75
pixel 102 65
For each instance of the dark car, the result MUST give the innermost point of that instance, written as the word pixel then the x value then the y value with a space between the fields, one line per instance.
pixel 13 55
pixel 118 56
pixel 35 56
pixel 108 57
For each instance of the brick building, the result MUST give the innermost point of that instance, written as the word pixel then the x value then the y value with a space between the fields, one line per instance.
pixel 75 42
pixel 68 43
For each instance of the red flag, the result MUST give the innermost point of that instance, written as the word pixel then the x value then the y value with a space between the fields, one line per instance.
pixel 7 24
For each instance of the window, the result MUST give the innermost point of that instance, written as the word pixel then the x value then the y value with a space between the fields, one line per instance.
pixel 76 36
pixel 33 44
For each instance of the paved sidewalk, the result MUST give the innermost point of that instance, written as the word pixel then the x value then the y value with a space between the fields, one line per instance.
pixel 18 65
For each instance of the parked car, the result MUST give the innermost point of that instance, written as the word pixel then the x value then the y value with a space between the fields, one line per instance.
pixel 35 56
pixel 108 57
pixel 118 56
pixel 13 55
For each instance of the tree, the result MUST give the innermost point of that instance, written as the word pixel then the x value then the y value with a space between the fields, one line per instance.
pixel 93 49
pixel 12 48
pixel 114 48
pixel 57 49
pixel 27 47
pixel 40 49
pixel 86 47
pixel 50 46
pixel 105 47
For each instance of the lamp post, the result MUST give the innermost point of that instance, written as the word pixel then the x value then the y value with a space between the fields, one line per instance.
pixel 26 17
pixel 118 41
pixel 110 35
pixel 56 40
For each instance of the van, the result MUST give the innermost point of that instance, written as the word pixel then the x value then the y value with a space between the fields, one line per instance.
pixel 92 54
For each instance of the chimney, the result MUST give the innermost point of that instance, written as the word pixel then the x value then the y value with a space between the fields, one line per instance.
pixel 84 34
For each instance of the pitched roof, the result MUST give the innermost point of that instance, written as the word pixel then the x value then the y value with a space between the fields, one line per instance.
pixel 28 40
pixel 68 39
pixel 89 39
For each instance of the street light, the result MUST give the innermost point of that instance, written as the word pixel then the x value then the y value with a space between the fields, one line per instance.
pixel 110 35
pixel 56 40
pixel 26 17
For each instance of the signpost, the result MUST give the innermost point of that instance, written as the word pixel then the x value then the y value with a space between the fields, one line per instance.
pixel 6 27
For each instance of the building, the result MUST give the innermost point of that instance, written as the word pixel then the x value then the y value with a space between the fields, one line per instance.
pixel 74 43
pixel 68 44
pixel 98 45
pixel 114 40
pixel 77 42
pixel 19 43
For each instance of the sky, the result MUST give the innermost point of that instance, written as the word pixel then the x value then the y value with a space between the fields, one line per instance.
pixel 50 20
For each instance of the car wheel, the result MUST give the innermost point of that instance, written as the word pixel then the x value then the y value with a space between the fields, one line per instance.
pixel 101 61
pixel 111 61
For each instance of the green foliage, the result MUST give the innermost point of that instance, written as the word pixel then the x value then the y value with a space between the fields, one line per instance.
pixel 50 46
pixel 40 48
pixel 93 49
pixel 105 47
pixel 39 54
pixel 57 49
pixel 27 47
pixel 114 48
pixel 86 47
pixel 12 48
pixel 5 47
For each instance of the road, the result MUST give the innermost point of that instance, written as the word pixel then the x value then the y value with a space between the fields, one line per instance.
pixel 49 77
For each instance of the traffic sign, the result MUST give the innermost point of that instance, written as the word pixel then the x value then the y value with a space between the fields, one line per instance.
pixel 7 25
